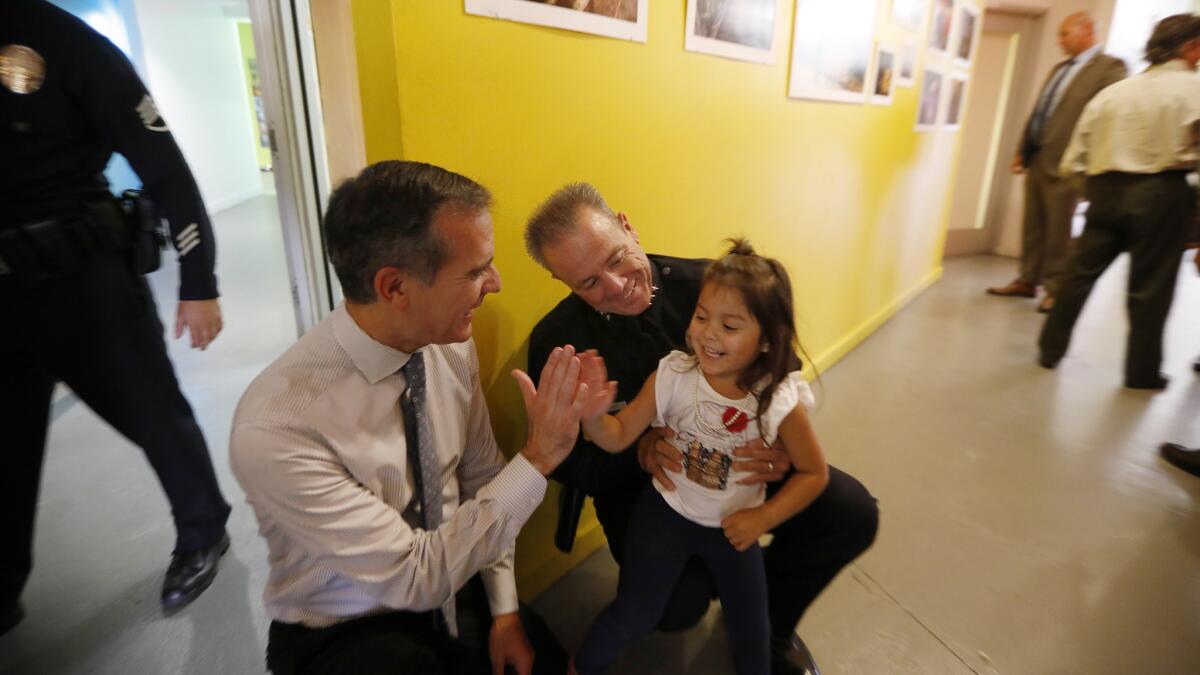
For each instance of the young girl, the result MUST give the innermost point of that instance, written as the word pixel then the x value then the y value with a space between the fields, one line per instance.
pixel 739 380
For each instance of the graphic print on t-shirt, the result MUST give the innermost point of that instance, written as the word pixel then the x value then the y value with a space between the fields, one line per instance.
pixel 709 466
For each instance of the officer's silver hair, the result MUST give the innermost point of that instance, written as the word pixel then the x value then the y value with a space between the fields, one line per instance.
pixel 558 216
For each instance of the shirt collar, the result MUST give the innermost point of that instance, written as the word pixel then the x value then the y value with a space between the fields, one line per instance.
pixel 1177 65
pixel 1087 55
pixel 373 359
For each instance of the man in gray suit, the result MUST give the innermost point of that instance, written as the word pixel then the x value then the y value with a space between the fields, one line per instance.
pixel 1050 199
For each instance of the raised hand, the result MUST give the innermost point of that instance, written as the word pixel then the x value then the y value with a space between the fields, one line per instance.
pixel 554 408
pixel 601 391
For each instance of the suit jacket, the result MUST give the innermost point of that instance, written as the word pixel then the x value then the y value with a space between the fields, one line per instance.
pixel 1100 72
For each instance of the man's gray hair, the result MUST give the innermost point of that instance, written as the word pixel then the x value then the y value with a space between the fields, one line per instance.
pixel 557 216
pixel 1170 35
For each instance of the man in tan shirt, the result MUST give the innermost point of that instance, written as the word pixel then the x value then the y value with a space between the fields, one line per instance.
pixel 1136 142
pixel 366 451
pixel 1050 200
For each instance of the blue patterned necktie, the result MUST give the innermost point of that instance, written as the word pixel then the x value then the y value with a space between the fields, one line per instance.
pixel 1042 115
pixel 422 457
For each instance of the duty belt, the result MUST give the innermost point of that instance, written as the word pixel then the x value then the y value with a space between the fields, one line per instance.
pixel 45 249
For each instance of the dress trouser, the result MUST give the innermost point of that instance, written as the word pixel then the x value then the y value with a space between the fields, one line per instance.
pixel 406 642
pixel 1150 216
pixel 807 553
pixel 1046 231
pixel 98 331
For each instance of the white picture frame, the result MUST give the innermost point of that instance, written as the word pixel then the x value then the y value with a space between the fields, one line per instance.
pixel 966 34
pixel 744 30
pixel 941 21
pixel 956 101
pixel 929 100
pixel 882 86
pixel 910 14
pixel 542 13
pixel 906 73
pixel 832 45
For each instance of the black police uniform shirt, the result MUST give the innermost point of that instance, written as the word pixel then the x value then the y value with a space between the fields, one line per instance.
pixel 68 99
pixel 632 347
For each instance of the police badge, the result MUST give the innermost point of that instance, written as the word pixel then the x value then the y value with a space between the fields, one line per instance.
pixel 22 70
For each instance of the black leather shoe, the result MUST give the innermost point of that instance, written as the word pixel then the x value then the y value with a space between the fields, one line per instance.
pixel 11 616
pixel 1187 459
pixel 1196 364
pixel 190 573
pixel 1157 382
pixel 791 657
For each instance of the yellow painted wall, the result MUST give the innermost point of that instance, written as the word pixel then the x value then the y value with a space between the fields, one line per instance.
pixel 694 148
pixel 246 40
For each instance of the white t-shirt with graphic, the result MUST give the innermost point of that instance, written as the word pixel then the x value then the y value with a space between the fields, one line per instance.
pixel 708 427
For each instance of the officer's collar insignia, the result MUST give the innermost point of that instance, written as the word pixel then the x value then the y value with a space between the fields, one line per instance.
pixel 148 111
pixel 22 70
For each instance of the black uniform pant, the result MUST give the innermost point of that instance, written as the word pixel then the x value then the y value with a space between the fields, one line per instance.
pixel 406 642
pixel 807 553
pixel 1148 215
pixel 96 330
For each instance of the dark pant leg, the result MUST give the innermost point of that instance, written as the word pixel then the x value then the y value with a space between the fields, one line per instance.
pixel 1061 197
pixel 814 545
pixel 387 644
pixel 1160 210
pixel 469 653
pixel 24 412
pixel 1101 242
pixel 1033 227
pixel 106 342
pixel 742 586
pixel 695 588
pixel 656 548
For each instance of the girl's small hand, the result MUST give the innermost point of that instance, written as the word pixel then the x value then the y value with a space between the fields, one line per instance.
pixel 744 527
pixel 601 391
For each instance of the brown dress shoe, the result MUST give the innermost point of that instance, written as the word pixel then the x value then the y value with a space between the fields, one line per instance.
pixel 1015 289
pixel 1046 304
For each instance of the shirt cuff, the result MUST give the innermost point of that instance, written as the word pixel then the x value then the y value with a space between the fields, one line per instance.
pixel 500 583
pixel 519 489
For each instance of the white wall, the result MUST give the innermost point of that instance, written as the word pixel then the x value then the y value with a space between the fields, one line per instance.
pixel 193 68
pixel 1132 22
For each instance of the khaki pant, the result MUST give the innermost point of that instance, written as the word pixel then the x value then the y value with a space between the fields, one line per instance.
pixel 1046 233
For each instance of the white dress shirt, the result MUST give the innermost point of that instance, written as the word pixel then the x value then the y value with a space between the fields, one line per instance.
pixel 318 445
pixel 1144 124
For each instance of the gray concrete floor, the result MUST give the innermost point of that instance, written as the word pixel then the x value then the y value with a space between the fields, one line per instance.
pixel 1028 523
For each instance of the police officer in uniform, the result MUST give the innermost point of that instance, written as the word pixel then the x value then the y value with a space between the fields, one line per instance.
pixel 634 308
pixel 74 307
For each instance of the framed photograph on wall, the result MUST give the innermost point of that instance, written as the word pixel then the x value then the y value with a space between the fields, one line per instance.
pixel 735 29
pixel 931 99
pixel 906 72
pixel 956 100
pixel 909 14
pixel 964 34
pixel 883 76
pixel 623 19
pixel 940 22
pixel 831 49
